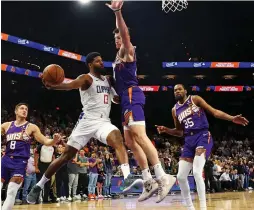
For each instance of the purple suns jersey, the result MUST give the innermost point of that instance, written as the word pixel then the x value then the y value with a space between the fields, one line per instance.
pixel 18 142
pixel 190 116
pixel 125 74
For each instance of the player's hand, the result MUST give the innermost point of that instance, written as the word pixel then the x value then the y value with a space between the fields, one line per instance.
pixel 116 99
pixel 238 119
pixel 63 138
pixel 115 5
pixel 48 85
pixel 56 138
pixel 37 171
pixel 161 129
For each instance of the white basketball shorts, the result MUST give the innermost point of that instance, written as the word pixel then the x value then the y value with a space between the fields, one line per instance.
pixel 86 129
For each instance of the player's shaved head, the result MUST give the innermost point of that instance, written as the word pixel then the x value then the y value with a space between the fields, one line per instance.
pixel 181 85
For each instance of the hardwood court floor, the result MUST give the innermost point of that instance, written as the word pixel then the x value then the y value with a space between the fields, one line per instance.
pixel 218 201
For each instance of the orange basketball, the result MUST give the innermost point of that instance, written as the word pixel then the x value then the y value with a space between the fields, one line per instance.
pixel 53 74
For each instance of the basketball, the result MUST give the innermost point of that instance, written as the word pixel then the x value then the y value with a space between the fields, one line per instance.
pixel 53 74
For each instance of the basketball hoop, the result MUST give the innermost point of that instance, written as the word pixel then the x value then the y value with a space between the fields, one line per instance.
pixel 174 5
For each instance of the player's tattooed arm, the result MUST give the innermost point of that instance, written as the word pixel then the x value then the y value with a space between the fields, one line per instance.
pixel 83 81
pixel 238 119
pixel 43 139
pixel 177 131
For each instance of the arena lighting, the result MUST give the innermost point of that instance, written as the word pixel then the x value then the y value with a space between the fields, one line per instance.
pixel 84 1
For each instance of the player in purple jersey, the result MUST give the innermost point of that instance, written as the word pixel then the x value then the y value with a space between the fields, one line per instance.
pixel 191 122
pixel 19 134
pixel 133 118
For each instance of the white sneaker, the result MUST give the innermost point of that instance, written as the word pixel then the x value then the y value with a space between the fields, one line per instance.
pixel 250 188
pixel 165 184
pixel 18 201
pixel 69 198
pixel 58 199
pixel 109 197
pixel 77 197
pixel 84 196
pixel 150 187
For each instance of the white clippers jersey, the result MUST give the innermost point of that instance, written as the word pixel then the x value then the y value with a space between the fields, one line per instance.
pixel 96 99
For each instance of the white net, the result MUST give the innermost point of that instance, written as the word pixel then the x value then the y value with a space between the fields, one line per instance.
pixel 174 5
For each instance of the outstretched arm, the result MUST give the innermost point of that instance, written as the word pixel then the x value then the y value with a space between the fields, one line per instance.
pixel 116 6
pixel 79 82
pixel 177 131
pixel 238 119
pixel 43 139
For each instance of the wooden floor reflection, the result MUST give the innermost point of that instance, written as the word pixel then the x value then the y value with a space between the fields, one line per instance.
pixel 219 201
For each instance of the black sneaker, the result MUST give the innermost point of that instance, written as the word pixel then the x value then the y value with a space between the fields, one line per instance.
pixel 34 194
pixel 131 181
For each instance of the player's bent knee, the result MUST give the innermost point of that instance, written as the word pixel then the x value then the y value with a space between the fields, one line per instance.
pixel 115 139
pixel 181 178
pixel 197 174
pixel 17 179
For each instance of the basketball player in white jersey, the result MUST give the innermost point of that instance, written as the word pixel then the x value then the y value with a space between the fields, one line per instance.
pixel 96 94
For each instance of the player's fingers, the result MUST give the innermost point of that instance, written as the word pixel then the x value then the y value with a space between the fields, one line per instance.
pixel 247 121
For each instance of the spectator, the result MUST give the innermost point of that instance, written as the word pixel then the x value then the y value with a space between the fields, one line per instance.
pixel 30 179
pixel 73 171
pixel 43 157
pixel 241 172
pixel 100 180
pixel 235 180
pixel 251 186
pixel 62 179
pixel 83 176
pixel 108 169
pixel 93 175
pixel 225 180
pixel 208 169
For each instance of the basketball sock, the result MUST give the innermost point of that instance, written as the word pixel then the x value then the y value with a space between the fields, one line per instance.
pixel 42 182
pixel 198 166
pixel 158 170
pixel 11 195
pixel 146 174
pixel 125 169
pixel 182 178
